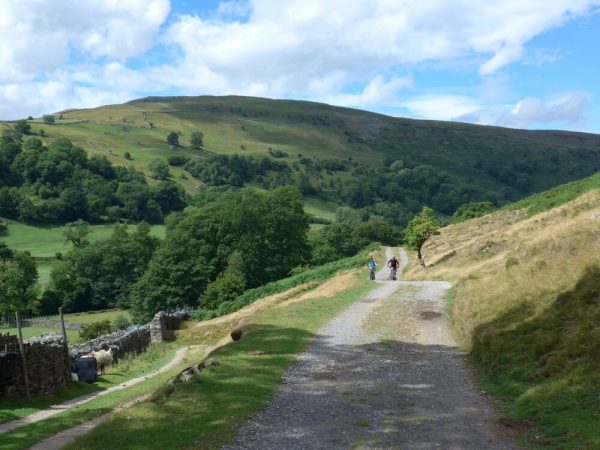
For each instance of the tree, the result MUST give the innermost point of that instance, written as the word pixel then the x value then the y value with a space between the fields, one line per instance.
pixel 228 285
pixel 18 283
pixel 23 127
pixel 3 227
pixel 48 118
pixel 267 229
pixel 376 231
pixel 77 232
pixel 99 275
pixel 197 140
pixel 419 230
pixel 173 139
pixel 159 170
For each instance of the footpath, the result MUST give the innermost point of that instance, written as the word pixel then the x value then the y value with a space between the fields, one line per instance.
pixel 385 373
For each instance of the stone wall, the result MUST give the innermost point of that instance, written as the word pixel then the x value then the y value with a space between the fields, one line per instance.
pixel 132 340
pixel 163 325
pixel 47 368
pixel 47 365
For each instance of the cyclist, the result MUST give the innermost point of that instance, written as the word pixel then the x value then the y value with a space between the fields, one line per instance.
pixel 393 264
pixel 372 267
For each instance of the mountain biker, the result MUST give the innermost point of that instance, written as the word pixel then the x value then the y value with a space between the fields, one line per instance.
pixel 393 264
pixel 372 266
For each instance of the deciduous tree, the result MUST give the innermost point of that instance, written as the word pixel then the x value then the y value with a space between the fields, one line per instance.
pixel 420 229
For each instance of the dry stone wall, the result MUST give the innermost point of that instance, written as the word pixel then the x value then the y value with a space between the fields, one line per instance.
pixel 47 368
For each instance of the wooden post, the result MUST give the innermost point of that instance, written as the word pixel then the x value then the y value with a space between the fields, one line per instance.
pixel 66 344
pixel 23 357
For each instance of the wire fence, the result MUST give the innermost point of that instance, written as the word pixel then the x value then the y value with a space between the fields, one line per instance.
pixel 29 321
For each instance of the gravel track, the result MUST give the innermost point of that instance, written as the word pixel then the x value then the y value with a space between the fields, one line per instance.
pixel 384 373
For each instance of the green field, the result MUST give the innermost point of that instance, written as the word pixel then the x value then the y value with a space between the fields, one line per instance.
pixel 72 335
pixel 29 332
pixel 46 241
pixel 320 208
pixel 94 316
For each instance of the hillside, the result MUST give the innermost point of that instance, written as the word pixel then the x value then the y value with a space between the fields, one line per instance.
pixel 527 304
pixel 334 151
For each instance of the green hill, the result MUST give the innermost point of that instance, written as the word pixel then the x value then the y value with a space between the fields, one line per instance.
pixel 342 155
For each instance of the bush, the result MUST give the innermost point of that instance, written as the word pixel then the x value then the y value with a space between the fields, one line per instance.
pixel 127 156
pixel 225 288
pixel 95 329
pixel 177 160
pixel 48 118
pixel 121 323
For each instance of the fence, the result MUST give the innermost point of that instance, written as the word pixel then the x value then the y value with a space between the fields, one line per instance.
pixel 48 367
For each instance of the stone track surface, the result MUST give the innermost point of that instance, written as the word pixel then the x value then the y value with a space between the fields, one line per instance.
pixel 383 374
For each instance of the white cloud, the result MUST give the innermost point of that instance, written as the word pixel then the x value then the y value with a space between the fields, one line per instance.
pixel 441 106
pixel 39 36
pixel 528 112
pixel 341 51
pixel 567 107
pixel 377 92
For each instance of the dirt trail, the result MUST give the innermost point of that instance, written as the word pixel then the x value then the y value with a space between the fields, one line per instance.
pixel 385 373
pixel 57 409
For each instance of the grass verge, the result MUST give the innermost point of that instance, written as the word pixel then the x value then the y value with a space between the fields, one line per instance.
pixel 319 273
pixel 546 367
pixel 207 410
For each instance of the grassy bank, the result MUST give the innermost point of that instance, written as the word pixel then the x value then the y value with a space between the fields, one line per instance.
pixel 526 305
pixel 206 411
pixel 316 274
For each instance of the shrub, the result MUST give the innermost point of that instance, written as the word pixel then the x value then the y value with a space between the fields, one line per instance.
pixel 225 288
pixel 127 156
pixel 95 329
pixel 48 118
pixel 121 323
pixel 177 160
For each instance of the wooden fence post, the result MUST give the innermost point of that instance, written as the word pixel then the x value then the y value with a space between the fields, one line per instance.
pixel 66 344
pixel 23 357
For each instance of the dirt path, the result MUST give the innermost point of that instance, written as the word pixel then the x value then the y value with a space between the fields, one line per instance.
pixel 385 373
pixel 57 409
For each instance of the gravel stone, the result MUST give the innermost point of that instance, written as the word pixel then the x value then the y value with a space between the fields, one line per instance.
pixel 354 388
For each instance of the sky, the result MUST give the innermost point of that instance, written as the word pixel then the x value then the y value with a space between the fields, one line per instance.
pixel 516 63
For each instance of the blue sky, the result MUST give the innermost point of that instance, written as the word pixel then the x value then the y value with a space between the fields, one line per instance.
pixel 516 63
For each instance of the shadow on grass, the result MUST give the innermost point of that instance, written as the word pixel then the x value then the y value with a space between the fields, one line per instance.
pixel 15 408
pixel 398 392
pixel 547 366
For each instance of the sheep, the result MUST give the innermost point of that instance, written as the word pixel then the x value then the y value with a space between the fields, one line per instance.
pixel 104 358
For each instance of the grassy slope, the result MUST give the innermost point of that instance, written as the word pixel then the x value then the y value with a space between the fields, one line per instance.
pixel 323 131
pixel 526 303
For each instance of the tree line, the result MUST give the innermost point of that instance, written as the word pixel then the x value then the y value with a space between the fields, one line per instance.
pixel 60 183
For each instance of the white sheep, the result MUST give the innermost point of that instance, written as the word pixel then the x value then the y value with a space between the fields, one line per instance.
pixel 104 358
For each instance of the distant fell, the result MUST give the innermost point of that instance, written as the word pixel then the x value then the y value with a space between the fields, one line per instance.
pixel 488 163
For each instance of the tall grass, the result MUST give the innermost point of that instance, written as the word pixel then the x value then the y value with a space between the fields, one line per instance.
pixel 527 306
